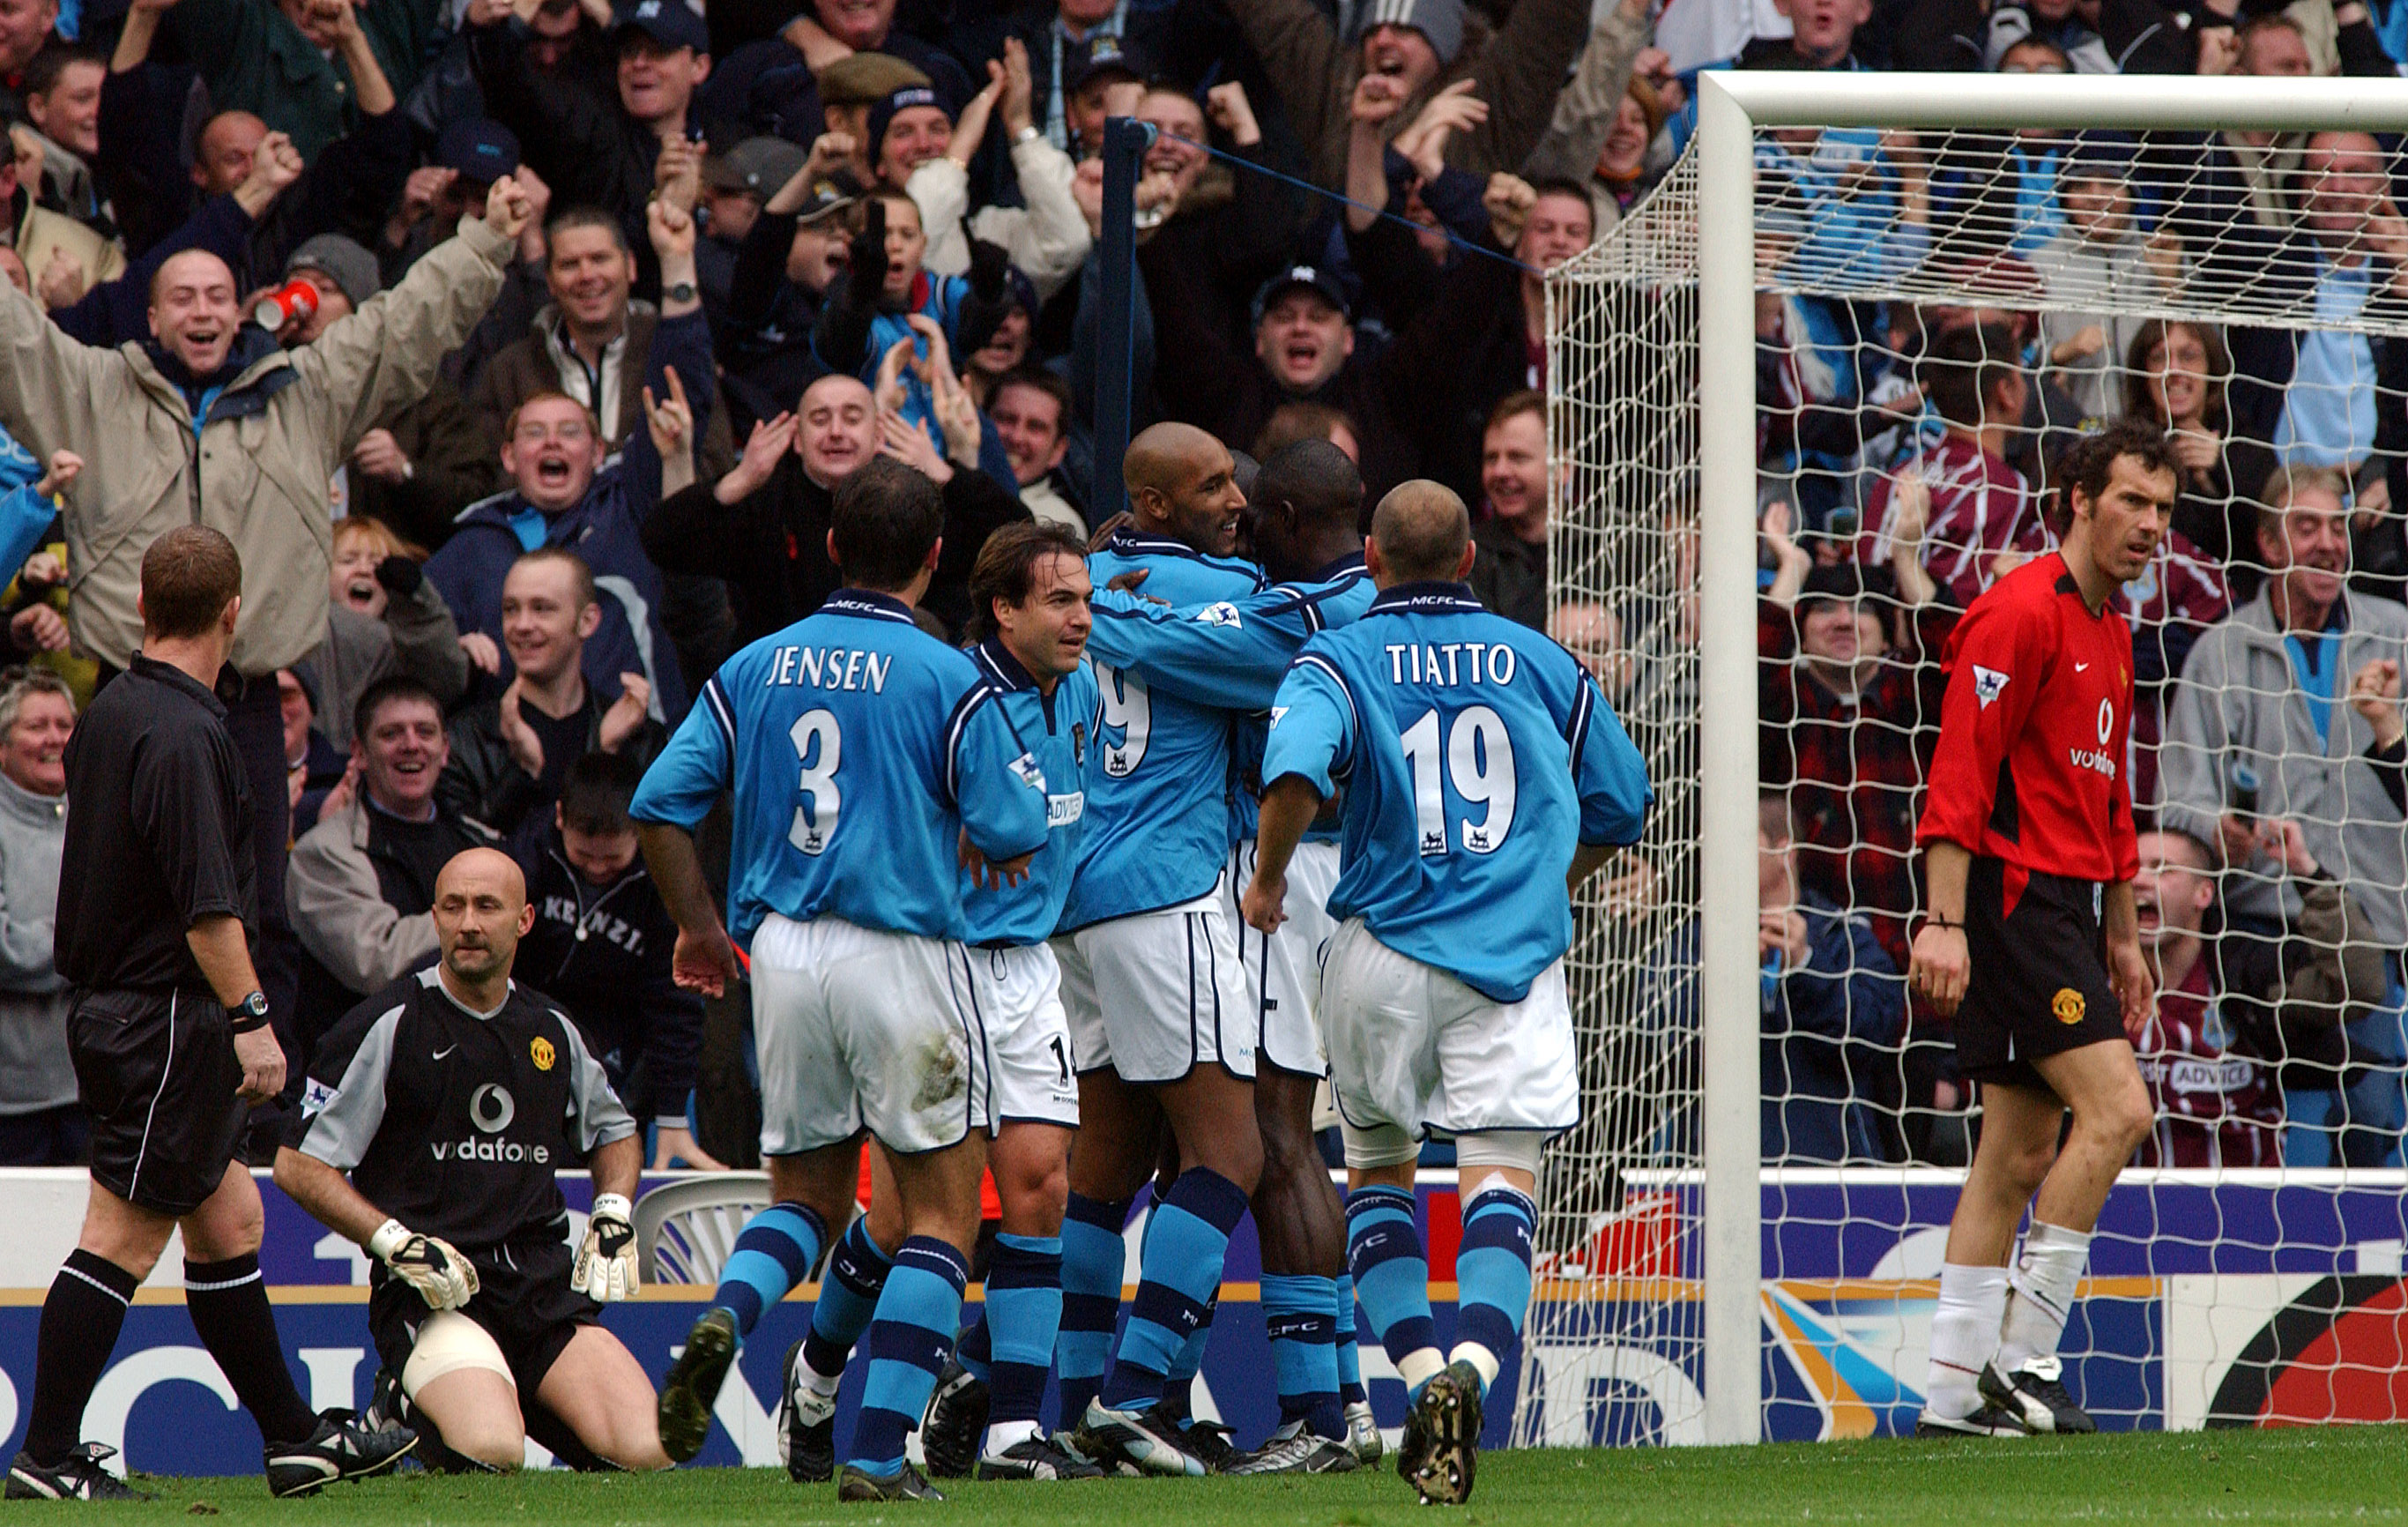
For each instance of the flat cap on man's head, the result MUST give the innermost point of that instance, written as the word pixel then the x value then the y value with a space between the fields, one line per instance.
pixel 865 79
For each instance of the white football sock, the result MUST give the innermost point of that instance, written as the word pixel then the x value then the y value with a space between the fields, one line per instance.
pixel 1002 1435
pixel 1964 1334
pixel 1480 1359
pixel 2043 1283
pixel 823 1385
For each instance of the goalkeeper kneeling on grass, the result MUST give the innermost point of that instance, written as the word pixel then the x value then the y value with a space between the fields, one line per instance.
pixel 452 1098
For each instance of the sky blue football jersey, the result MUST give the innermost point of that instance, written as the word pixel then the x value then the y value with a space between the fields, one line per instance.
pixel 1474 755
pixel 859 748
pixel 1158 780
pixel 1058 732
pixel 1230 653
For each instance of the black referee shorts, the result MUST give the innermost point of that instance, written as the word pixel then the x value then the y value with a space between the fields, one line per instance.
pixel 162 1084
pixel 530 1311
pixel 2038 985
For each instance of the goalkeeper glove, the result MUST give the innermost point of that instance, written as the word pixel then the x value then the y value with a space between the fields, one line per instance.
pixel 433 1266
pixel 606 1263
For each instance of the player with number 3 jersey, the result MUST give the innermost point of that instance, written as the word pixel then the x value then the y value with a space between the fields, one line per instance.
pixel 867 759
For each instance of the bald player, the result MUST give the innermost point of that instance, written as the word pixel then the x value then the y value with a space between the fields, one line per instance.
pixel 452 1098
pixel 1484 777
pixel 1155 992
pixel 1231 656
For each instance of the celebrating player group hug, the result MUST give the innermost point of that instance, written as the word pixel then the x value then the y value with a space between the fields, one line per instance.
pixel 1232 803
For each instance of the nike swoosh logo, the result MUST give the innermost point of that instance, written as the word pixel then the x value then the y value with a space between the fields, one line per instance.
pixel 2081 668
pixel 445 1050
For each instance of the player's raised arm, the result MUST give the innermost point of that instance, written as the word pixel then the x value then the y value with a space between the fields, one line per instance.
pixel 1233 654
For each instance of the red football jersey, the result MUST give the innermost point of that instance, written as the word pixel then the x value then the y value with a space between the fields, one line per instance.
pixel 2029 768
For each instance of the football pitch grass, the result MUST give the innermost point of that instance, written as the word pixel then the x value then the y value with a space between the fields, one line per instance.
pixel 2303 1475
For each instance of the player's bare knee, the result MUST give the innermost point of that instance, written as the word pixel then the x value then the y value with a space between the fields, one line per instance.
pixel 209 1237
pixel 1035 1198
pixel 491 1442
pixel 2025 1165
pixel 129 1239
pixel 2126 1116
pixel 631 1440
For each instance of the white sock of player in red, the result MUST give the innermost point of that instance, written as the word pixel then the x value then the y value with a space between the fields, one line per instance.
pixel 2042 1284
pixel 1964 1334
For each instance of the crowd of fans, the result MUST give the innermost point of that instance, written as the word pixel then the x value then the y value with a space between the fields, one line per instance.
pixel 540 331
pixel 1906 456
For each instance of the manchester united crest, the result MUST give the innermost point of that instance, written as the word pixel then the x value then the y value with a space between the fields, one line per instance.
pixel 2067 1004
pixel 541 1051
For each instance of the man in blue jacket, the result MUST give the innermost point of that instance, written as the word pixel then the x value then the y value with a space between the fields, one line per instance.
pixel 571 495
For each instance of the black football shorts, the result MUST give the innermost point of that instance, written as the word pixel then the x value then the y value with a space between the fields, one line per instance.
pixel 161 1083
pixel 528 1309
pixel 2038 984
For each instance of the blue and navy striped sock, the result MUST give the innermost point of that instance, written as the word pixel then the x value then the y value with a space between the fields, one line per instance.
pixel 1023 1311
pixel 975 1351
pixel 1300 1317
pixel 1383 1251
pixel 1179 1276
pixel 1350 1362
pixel 1178 1385
pixel 856 1278
pixel 908 1341
pixel 1093 1261
pixel 1492 1270
pixel 773 1254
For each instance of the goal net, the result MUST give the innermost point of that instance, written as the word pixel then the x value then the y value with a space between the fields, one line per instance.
pixel 1853 413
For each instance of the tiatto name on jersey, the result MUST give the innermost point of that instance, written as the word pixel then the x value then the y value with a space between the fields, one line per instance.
pixel 830 668
pixel 1450 662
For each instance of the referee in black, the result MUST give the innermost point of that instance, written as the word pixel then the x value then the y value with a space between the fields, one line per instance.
pixel 170 1039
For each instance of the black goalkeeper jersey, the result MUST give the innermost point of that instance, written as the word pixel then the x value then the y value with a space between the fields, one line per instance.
pixel 455 1122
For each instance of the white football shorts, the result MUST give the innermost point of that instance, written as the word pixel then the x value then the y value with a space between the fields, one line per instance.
pixel 1283 969
pixel 1019 993
pixel 1156 995
pixel 1414 1048
pixel 857 1027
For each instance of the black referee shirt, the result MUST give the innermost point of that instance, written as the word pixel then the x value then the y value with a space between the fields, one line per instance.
pixel 159 836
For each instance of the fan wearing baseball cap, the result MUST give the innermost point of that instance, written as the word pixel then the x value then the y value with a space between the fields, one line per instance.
pixel 594 155
pixel 1304 351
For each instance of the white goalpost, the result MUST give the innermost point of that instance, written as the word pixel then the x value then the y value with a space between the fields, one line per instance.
pixel 1676 1303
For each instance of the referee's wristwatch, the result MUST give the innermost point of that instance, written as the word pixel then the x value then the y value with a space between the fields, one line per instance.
pixel 250 1014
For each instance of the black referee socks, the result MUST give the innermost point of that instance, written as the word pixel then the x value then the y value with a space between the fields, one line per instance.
pixel 80 1319
pixel 228 1303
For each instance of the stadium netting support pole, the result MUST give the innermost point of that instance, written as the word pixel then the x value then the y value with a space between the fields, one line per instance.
pixel 1126 140
pixel 1730 1259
